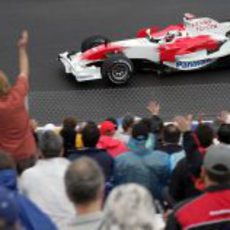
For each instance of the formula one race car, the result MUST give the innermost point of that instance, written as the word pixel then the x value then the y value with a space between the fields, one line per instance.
pixel 197 43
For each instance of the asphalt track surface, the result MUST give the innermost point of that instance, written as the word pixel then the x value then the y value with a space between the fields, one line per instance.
pixel 57 25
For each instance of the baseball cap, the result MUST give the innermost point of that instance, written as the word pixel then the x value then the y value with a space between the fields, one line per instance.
pixel 49 127
pixel 217 160
pixel 106 127
pixel 8 207
pixel 140 131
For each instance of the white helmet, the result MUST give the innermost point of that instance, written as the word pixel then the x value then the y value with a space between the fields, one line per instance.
pixel 171 35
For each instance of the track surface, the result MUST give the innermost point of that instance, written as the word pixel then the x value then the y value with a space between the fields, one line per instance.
pixel 58 25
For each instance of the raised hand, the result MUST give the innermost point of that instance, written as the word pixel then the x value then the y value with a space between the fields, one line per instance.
pixel 184 123
pixel 23 40
pixel 154 108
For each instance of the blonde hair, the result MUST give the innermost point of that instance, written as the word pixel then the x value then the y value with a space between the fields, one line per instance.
pixel 4 84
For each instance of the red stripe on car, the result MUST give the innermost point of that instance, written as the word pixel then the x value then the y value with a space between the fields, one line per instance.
pixel 186 45
pixel 101 51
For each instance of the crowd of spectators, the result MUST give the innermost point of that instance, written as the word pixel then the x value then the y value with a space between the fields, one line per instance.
pixel 137 174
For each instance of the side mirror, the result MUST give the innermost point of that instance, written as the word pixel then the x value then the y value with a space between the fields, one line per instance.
pixel 148 32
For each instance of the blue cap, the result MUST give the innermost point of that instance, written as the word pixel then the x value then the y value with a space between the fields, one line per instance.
pixel 8 207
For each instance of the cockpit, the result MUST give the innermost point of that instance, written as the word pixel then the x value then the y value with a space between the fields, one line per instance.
pixel 170 36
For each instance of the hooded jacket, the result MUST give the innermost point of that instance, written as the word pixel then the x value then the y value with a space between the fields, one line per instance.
pixel 113 146
pixel 31 217
pixel 144 166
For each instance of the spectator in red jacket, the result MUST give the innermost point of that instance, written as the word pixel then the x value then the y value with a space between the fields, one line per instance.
pixel 107 141
pixel 16 135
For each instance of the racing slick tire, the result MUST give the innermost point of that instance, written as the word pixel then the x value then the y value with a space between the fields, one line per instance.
pixel 93 41
pixel 117 69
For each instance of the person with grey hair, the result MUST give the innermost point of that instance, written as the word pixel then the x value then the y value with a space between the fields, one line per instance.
pixel 130 206
pixel 84 181
pixel 44 182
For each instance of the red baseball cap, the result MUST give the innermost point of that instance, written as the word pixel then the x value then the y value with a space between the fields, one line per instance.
pixel 107 127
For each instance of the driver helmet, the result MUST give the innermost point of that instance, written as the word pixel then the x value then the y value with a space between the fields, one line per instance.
pixel 171 35
pixel 189 16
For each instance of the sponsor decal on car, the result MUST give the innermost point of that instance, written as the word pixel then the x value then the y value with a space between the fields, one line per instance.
pixel 185 65
pixel 204 24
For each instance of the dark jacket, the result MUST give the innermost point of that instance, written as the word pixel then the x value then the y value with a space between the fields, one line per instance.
pixel 209 211
pixel 100 155
pixel 182 184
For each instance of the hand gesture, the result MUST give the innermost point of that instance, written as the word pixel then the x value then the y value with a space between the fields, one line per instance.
pixel 154 108
pixel 24 39
pixel 224 117
pixel 183 123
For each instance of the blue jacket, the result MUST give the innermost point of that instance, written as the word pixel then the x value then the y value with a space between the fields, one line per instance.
pixel 31 217
pixel 144 166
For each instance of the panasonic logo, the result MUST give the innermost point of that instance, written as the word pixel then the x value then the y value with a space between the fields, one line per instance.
pixel 192 64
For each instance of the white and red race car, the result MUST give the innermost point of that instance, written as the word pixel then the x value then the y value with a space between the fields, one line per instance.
pixel 195 44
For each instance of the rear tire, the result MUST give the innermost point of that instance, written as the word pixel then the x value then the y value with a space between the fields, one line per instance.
pixel 117 69
pixel 93 41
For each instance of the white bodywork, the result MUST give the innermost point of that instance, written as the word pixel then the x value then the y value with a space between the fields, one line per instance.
pixel 143 48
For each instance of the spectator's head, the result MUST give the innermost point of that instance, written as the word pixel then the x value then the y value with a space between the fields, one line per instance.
pixel 171 134
pixel 4 84
pixel 107 128
pixel 84 183
pixel 205 135
pixel 113 120
pixel 140 131
pixel 51 144
pixel 69 123
pixel 9 211
pixel 156 125
pixel 147 122
pixel 223 134
pixel 90 135
pixel 90 122
pixel 129 206
pixel 216 166
pixel 6 161
pixel 127 123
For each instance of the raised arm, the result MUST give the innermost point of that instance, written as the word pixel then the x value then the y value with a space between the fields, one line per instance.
pixel 23 55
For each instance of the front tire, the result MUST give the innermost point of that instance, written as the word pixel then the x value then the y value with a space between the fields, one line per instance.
pixel 117 69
